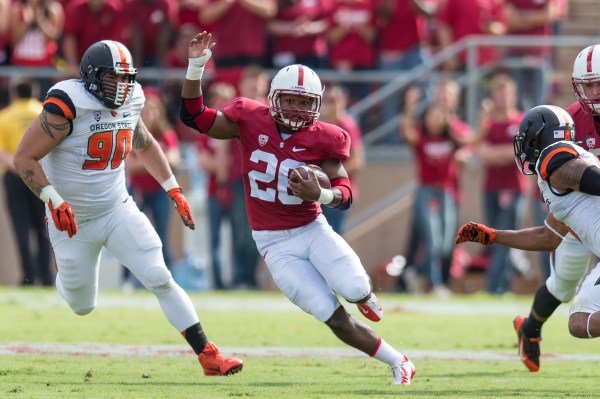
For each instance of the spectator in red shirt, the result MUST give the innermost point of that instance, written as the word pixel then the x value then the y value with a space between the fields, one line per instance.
pixel 190 12
pixel 461 18
pixel 90 21
pixel 504 185
pixel 335 102
pixel 37 26
pixel 401 27
pixel 4 30
pixel 230 17
pixel 298 33
pixel 151 31
pixel 531 17
pixel 144 189
pixel 435 210
pixel 351 37
pixel 214 156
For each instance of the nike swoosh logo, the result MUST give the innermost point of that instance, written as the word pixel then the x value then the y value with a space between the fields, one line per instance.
pixel 365 311
pixel 296 149
pixel 126 114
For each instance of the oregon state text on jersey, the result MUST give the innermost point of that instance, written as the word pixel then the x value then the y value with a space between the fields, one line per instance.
pixel 87 167
pixel 268 159
pixel 575 209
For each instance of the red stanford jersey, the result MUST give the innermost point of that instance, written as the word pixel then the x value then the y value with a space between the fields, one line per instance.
pixel 585 128
pixel 268 159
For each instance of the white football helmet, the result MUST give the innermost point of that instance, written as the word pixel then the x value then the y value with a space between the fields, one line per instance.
pixel 299 80
pixel 586 70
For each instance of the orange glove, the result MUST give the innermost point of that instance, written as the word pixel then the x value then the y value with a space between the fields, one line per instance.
pixel 64 218
pixel 475 232
pixel 182 206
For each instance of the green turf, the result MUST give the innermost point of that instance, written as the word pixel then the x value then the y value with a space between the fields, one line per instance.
pixel 480 323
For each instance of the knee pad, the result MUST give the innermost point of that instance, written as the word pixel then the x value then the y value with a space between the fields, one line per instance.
pixel 156 276
pixel 356 289
pixel 568 266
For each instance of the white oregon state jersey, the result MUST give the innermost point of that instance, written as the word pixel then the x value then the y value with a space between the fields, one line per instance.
pixel 87 167
pixel 579 211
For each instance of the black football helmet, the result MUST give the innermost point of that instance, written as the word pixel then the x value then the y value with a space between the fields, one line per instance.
pixel 540 127
pixel 108 56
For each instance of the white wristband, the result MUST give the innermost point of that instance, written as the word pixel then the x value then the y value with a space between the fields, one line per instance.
pixel 170 183
pixel 326 196
pixel 588 325
pixel 50 193
pixel 195 67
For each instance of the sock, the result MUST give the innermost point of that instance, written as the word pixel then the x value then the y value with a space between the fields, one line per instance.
pixel 195 336
pixel 386 354
pixel 544 304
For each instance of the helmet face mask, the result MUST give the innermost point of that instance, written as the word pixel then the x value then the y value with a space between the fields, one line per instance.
pixel 586 72
pixel 540 127
pixel 101 67
pixel 300 81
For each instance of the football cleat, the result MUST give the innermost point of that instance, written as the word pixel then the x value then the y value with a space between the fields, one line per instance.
pixel 213 363
pixel 529 348
pixel 403 373
pixel 371 309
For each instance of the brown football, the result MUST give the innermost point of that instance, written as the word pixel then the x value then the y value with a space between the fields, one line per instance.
pixel 321 176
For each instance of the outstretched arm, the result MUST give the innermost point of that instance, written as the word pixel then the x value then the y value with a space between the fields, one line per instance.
pixel 193 112
pixel 539 238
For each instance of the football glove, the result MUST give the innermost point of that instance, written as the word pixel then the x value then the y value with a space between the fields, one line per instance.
pixel 64 218
pixel 475 232
pixel 182 206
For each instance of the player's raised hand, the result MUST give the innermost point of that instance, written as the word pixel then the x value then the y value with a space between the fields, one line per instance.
pixel 182 206
pixel 64 218
pixel 475 232
pixel 201 47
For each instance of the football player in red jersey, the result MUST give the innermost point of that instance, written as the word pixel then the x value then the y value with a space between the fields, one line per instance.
pixel 309 262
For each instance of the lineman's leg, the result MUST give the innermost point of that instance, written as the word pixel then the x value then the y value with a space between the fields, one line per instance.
pixel 77 260
pixel 135 243
pixel 584 319
pixel 568 266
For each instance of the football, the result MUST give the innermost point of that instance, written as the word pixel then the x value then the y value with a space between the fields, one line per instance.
pixel 321 176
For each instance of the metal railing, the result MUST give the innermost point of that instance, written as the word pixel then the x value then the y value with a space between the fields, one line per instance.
pixel 391 83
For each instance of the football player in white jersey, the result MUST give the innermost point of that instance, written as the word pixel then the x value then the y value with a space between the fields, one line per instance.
pixel 569 262
pixel 82 137
pixel 568 177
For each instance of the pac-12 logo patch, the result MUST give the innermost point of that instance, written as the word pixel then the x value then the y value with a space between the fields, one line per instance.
pixel 97 116
pixel 590 142
pixel 262 139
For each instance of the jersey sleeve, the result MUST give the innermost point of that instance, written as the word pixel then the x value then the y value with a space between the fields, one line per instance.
pixel 340 145
pixel 58 102
pixel 553 157
pixel 234 109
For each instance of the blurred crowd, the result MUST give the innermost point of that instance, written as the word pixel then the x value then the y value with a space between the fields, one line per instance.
pixel 253 36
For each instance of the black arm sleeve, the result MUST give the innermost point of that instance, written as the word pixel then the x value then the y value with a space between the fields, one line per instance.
pixel 590 181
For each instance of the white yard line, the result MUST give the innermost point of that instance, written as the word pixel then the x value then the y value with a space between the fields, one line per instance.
pixel 113 350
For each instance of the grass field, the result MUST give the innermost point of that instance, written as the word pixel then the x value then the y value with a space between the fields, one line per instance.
pixel 463 347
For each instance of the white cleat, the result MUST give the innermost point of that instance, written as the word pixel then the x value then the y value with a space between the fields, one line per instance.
pixel 403 373
pixel 371 309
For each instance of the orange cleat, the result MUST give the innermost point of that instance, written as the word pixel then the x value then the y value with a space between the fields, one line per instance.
pixel 529 348
pixel 213 363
